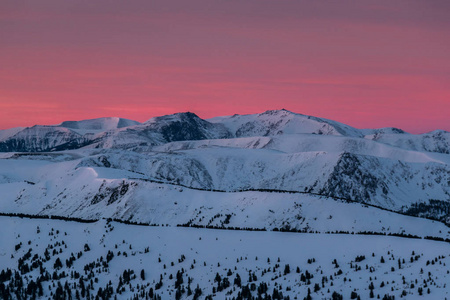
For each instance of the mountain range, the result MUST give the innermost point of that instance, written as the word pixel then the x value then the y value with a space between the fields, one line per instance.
pixel 242 165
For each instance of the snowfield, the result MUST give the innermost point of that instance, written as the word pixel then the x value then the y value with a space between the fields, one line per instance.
pixel 290 263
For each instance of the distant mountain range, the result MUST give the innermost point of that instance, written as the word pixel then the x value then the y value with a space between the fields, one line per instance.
pixel 114 167
pixel 125 134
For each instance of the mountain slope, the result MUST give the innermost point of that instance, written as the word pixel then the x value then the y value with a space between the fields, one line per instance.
pixel 41 138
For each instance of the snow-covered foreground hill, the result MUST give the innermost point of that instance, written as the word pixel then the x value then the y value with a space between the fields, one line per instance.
pixel 53 258
pixel 173 187
pixel 72 185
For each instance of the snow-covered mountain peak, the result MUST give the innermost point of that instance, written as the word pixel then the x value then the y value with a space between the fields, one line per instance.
pixel 185 126
pixel 438 132
pixel 98 125
pixel 176 117
pixel 39 138
pixel 275 122
pixel 7 133
pixel 278 112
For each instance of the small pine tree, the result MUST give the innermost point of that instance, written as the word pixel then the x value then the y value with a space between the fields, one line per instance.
pixel 336 296
pixel 287 269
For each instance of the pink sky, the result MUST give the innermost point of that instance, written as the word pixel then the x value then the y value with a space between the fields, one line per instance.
pixel 364 63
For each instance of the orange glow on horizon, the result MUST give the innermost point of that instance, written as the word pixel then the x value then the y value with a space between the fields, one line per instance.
pixel 369 65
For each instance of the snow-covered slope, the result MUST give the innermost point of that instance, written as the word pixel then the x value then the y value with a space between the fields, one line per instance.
pixel 54 258
pixel 42 138
pixel 178 189
pixel 435 141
